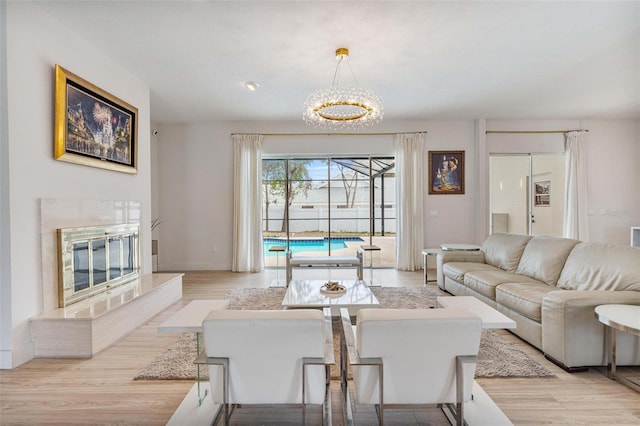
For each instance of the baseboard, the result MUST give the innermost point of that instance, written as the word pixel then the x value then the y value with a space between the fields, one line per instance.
pixel 564 367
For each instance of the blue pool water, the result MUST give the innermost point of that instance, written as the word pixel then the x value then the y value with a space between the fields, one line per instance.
pixel 310 244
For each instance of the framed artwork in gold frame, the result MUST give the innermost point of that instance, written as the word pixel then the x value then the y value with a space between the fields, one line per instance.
pixel 92 127
pixel 446 172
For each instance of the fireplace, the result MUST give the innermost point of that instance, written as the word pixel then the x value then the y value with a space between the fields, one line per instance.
pixel 94 259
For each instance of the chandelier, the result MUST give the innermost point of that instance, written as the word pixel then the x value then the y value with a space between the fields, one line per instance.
pixel 343 107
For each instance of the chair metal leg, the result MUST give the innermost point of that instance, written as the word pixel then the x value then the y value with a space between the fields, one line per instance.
pixel 349 354
pixel 304 397
pixel 326 406
pixel 224 412
pixel 381 390
pixel 459 392
pixel 226 392
pixel 457 412
pixel 347 412
pixel 224 363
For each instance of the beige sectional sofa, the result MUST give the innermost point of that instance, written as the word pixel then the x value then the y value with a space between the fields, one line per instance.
pixel 550 287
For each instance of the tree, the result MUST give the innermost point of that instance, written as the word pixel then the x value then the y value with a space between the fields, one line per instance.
pixel 273 174
pixel 350 185
pixel 274 179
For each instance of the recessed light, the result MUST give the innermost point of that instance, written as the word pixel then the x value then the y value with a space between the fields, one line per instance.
pixel 251 85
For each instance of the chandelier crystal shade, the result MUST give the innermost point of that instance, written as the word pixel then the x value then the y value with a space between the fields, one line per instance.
pixel 338 107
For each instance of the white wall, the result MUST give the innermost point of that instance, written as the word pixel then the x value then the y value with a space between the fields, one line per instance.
pixel 35 43
pixel 154 173
pixel 452 218
pixel 613 158
pixel 5 228
pixel 195 182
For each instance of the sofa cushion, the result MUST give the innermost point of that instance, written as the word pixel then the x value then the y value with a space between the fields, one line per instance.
pixel 544 257
pixel 504 250
pixel 456 270
pixel 485 282
pixel 597 266
pixel 524 298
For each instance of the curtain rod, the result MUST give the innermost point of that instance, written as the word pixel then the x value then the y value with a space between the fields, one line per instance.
pixel 332 134
pixel 534 131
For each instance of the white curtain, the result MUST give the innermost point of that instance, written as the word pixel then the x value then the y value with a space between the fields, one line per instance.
pixel 409 153
pixel 247 203
pixel 576 202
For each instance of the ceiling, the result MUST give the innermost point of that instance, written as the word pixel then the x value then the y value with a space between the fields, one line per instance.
pixel 427 60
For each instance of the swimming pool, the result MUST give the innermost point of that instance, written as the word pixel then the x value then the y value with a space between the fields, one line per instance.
pixel 308 244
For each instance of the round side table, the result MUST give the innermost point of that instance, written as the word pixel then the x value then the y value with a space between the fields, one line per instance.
pixel 625 318
pixel 459 247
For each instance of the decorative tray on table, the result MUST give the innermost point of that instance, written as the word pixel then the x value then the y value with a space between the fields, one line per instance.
pixel 333 288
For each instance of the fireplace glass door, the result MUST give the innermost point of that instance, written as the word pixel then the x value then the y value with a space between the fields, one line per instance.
pixel 99 257
pixel 115 263
pixel 128 264
pixel 94 259
pixel 80 266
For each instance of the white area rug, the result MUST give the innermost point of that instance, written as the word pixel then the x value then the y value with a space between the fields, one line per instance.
pixel 497 357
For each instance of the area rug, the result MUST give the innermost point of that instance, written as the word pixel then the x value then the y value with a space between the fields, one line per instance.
pixel 497 357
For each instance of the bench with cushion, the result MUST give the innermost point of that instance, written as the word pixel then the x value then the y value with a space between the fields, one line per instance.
pixel 326 261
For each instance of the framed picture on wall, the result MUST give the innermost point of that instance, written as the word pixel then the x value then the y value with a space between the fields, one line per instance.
pixel 542 193
pixel 93 127
pixel 446 172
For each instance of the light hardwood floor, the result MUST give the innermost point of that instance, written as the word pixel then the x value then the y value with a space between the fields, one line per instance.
pixel 101 390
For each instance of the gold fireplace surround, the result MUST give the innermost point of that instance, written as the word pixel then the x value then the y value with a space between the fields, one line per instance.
pixel 95 259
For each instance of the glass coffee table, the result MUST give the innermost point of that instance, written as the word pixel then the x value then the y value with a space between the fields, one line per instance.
pixel 307 294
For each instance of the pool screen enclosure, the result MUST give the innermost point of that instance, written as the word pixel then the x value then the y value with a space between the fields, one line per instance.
pixel 328 197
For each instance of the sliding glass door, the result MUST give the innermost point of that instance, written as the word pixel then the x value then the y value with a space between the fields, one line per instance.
pixel 527 193
pixel 329 206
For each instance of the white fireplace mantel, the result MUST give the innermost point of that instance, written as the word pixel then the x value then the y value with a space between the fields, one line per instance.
pixel 57 213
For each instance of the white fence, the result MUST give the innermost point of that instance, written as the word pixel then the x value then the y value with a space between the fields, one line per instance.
pixel 354 219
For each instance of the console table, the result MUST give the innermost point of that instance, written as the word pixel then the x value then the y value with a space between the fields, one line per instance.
pixel 425 253
pixel 444 247
pixel 625 318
